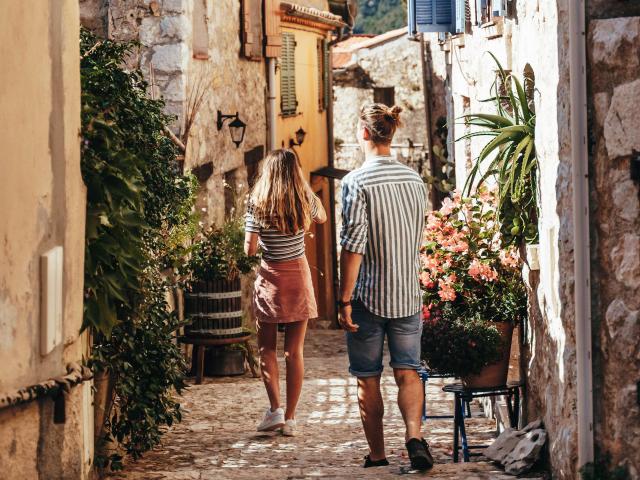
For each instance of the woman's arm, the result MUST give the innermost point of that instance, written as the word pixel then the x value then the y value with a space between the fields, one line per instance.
pixel 318 212
pixel 250 243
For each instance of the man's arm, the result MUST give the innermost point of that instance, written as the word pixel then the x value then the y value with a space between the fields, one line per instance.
pixel 349 268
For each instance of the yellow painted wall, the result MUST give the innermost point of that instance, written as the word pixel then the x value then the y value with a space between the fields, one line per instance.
pixel 42 201
pixel 314 151
pixel 313 155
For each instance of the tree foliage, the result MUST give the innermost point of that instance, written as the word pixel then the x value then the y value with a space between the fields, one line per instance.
pixel 380 16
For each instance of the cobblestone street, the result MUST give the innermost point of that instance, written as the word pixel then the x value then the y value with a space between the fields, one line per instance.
pixel 217 437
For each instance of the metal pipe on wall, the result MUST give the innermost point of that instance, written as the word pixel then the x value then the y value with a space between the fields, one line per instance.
pixel 271 103
pixel 581 254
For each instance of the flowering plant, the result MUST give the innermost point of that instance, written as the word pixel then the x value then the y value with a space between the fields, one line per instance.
pixel 469 279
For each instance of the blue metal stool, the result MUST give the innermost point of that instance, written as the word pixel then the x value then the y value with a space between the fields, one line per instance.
pixel 464 395
pixel 425 374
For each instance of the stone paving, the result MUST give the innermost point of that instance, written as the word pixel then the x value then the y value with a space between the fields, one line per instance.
pixel 217 437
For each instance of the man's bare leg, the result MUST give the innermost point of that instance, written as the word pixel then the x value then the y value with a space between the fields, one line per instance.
pixel 371 412
pixel 410 400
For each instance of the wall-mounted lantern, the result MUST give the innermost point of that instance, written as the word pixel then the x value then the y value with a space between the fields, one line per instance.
pixel 236 127
pixel 300 134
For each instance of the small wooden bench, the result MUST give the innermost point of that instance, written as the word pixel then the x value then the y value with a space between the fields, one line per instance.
pixel 200 343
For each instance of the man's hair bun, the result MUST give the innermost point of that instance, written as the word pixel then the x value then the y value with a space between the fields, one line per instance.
pixel 394 114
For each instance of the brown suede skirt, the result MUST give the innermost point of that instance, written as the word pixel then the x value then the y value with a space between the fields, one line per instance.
pixel 283 292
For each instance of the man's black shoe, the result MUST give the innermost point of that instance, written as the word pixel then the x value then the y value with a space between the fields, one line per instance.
pixel 374 463
pixel 419 454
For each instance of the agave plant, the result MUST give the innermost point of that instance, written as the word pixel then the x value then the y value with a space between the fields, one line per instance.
pixel 511 156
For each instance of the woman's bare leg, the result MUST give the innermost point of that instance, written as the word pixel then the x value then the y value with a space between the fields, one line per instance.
pixel 267 348
pixel 293 354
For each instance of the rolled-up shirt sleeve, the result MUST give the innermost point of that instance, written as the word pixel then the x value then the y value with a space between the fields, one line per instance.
pixel 355 224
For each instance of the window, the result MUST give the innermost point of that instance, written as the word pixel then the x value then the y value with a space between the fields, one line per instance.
pixel 323 74
pixel 200 40
pixel 288 100
pixel 486 10
pixel 252 29
pixel 385 95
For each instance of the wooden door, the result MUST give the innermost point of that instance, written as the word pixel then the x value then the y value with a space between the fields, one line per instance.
pixel 320 255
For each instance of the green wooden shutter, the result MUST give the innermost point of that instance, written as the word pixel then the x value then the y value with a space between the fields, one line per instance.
pixel 288 101
pixel 320 76
pixel 323 74
pixel 327 71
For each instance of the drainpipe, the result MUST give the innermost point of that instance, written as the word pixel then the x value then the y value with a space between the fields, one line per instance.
pixel 332 186
pixel 426 90
pixel 271 103
pixel 581 254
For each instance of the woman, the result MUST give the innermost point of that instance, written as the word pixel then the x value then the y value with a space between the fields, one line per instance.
pixel 281 208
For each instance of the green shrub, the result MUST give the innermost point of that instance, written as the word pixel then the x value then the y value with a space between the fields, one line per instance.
pixel 140 217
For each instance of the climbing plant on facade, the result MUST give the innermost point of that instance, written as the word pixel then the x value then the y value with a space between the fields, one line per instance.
pixel 509 157
pixel 140 216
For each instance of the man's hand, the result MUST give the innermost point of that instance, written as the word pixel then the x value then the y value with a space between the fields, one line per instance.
pixel 346 322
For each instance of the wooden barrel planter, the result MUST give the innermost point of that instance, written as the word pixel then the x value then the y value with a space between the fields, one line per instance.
pixel 215 309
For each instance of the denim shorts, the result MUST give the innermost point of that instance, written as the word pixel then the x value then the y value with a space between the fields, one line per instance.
pixel 365 345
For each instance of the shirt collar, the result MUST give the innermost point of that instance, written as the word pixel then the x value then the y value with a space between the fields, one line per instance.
pixel 376 159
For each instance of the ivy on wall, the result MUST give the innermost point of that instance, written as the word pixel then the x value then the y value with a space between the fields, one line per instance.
pixel 140 215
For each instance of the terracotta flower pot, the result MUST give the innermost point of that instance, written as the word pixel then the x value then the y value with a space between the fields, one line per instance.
pixel 494 374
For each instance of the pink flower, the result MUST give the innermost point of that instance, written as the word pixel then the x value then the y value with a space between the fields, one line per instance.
pixel 431 263
pixel 433 222
pixel 447 206
pixel 446 292
pixel 509 258
pixel 425 279
pixel 426 312
pixel 482 271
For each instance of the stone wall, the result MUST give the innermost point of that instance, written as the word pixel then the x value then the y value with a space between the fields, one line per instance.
pixel 43 205
pixel 395 63
pixel 535 38
pixel 613 46
pixel 224 81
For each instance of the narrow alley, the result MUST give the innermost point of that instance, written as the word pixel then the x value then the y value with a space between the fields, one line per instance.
pixel 217 437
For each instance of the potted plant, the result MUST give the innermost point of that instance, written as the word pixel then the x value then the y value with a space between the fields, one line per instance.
pixel 214 298
pixel 509 157
pixel 473 291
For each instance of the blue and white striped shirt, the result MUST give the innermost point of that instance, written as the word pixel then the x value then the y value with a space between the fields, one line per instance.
pixel 383 206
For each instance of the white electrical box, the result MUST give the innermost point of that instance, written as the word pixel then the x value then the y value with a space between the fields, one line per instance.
pixel 51 277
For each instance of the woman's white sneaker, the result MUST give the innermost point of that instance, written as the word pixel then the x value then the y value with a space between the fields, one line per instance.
pixel 289 429
pixel 272 420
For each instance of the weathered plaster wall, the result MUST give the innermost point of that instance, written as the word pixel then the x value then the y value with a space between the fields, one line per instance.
pixel 537 37
pixel 42 195
pixel 613 47
pixel 235 84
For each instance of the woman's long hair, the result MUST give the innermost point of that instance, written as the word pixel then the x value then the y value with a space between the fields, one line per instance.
pixel 281 197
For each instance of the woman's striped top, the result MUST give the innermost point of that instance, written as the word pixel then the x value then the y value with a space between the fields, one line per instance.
pixel 275 245
pixel 383 206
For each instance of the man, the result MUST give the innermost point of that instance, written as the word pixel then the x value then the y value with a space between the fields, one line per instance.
pixel 383 205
